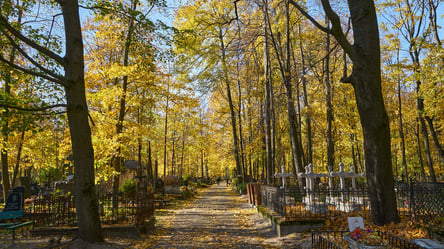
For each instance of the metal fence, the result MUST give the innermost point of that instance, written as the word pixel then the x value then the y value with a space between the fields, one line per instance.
pixel 59 211
pixel 301 203
pixel 419 201
pixel 328 240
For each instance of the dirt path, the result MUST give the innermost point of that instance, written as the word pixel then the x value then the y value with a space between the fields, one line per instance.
pixel 218 218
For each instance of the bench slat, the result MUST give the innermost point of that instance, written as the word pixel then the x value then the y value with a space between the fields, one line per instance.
pixel 5 225
pixel 27 223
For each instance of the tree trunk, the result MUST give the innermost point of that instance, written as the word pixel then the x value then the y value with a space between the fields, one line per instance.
pixel 149 167
pixel 296 148
pixel 122 108
pixel 329 106
pixel 418 146
pixel 307 106
pixel 267 108
pixel 165 134
pixel 425 140
pixel 241 138
pixel 435 137
pixel 18 158
pixel 202 155
pixel 230 104
pixel 401 126
pixel 366 80
pixel 77 110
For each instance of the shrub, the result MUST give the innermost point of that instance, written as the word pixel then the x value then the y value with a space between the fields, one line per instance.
pixel 242 188
pixel 129 187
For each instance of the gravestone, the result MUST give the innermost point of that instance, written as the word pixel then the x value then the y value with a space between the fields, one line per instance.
pixel 355 222
pixel 15 199
pixel 35 189
pixel 25 181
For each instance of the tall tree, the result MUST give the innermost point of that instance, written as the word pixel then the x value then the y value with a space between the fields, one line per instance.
pixel 328 101
pixel 366 81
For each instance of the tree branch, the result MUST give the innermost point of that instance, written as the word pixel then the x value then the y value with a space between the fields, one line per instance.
pixel 16 33
pixel 47 71
pixel 31 109
pixel 337 30
pixel 28 71
pixel 312 20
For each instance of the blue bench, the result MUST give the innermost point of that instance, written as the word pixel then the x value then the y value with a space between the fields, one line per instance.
pixel 14 216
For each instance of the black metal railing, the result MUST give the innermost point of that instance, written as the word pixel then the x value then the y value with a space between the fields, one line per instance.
pixel 58 211
pixel 334 240
pixel 324 239
pixel 419 201
pixel 302 203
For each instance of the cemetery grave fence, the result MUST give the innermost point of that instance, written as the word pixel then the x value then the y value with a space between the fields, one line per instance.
pixel 59 210
pixel 419 201
pixel 328 240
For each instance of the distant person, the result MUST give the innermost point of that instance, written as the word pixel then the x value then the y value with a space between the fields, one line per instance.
pixel 218 180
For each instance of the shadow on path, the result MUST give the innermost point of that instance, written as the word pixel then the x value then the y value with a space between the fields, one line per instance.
pixel 216 219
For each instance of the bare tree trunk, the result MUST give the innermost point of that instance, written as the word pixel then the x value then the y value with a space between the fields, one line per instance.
pixel 18 158
pixel 231 105
pixel 435 137
pixel 241 138
pixel 328 99
pixel 425 139
pixel 165 159
pixel 308 131
pixel 119 126
pixel 267 108
pixel 401 128
pixel 296 146
pixel 433 5
pixel 85 192
pixel 149 167
pixel 418 146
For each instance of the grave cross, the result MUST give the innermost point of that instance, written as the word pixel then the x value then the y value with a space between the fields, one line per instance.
pixel 283 175
pixel 310 175
pixel 342 175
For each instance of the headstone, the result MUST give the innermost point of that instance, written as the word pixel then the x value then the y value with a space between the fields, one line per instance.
pixel 35 189
pixel 25 181
pixel 355 222
pixel 15 199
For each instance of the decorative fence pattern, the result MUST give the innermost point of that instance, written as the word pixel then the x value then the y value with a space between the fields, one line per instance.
pixel 295 202
pixel 419 201
pixel 325 240
pixel 58 211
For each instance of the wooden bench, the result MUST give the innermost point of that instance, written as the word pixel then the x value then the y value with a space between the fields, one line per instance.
pixel 14 216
